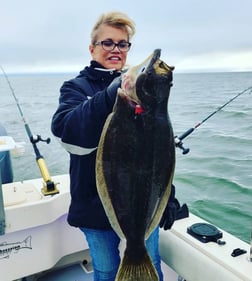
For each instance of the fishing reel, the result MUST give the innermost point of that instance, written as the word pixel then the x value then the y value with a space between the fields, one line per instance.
pixel 37 138
pixel 179 144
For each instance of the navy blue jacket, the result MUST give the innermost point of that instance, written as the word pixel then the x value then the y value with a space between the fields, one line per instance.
pixel 84 105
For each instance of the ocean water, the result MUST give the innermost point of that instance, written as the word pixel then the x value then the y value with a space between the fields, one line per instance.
pixel 214 178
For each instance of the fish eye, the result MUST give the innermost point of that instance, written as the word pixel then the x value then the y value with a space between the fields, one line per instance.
pixel 161 64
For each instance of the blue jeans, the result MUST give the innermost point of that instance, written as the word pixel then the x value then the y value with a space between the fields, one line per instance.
pixel 103 245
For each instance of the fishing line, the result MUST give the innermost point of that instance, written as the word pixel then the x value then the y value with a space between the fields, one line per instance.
pixel 49 187
pixel 178 140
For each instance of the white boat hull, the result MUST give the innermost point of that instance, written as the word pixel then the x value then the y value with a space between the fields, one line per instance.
pixel 197 261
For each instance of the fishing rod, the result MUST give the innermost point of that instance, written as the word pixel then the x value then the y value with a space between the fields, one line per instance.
pixel 178 140
pixel 49 187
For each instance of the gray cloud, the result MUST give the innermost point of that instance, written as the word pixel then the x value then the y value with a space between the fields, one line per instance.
pixel 55 34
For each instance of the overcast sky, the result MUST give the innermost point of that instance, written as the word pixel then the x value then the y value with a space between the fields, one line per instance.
pixel 194 35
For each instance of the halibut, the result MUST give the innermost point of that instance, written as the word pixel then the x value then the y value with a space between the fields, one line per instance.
pixel 135 162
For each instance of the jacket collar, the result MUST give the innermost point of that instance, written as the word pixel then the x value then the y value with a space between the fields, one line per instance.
pixel 96 72
pixel 97 66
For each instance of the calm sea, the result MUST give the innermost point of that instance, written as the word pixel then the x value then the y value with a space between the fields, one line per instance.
pixel 214 178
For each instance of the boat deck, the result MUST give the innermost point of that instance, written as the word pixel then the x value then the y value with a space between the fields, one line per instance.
pixel 72 272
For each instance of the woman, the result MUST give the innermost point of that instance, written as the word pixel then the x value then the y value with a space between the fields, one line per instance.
pixel 84 104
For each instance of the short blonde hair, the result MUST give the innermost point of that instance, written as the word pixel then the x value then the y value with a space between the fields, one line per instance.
pixel 114 19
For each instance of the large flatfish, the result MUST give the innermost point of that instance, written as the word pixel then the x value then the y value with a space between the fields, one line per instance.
pixel 135 162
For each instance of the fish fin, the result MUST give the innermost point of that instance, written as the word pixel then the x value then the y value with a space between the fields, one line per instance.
pixel 158 214
pixel 130 271
pixel 101 184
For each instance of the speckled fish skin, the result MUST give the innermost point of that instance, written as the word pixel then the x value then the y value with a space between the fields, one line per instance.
pixel 135 164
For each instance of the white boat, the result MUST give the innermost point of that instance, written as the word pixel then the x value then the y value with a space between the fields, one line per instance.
pixel 38 244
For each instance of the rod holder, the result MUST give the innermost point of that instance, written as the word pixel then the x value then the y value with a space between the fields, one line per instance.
pixel 49 187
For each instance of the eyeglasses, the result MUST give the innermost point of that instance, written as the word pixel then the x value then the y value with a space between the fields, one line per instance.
pixel 109 45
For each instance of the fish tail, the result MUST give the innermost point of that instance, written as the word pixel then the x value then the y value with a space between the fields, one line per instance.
pixel 142 270
pixel 27 243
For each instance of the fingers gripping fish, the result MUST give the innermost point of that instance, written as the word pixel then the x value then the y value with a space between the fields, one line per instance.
pixel 135 162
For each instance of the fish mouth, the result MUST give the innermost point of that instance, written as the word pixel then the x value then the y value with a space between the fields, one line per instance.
pixel 153 64
pixel 128 89
pixel 149 65
pixel 146 64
